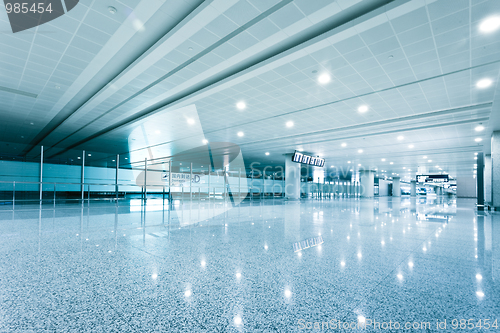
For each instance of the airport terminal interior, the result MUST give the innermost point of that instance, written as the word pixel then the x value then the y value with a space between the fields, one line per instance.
pixel 249 165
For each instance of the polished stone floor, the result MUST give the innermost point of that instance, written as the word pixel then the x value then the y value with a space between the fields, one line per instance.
pixel 262 266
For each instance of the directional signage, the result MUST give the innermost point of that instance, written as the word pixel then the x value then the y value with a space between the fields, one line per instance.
pixel 432 178
pixel 306 159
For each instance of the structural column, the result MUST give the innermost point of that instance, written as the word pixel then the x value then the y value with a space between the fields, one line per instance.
pixel 438 190
pixel 495 170
pixel 396 187
pixel 367 183
pixel 413 188
pixel 292 178
pixel 480 181
pixel 487 179
pixel 41 173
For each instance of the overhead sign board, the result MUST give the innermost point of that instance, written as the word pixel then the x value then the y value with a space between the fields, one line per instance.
pixel 306 159
pixel 432 178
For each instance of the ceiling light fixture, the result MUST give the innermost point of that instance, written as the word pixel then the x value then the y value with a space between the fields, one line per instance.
pixel 190 121
pixel 479 128
pixel 484 83
pixel 360 151
pixel 324 78
pixel 363 108
pixel 383 160
pixel 400 137
pixel 478 139
pixel 241 105
pixel 205 141
pixel 267 153
pixel 344 144
pixel 112 10
pixel 490 24
pixel 289 124
pixel 411 146
pixel 240 134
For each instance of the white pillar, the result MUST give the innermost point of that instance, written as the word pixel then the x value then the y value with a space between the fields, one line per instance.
pixel 495 169
pixel 396 187
pixel 366 179
pixel 292 178
pixel 487 178
pixel 413 188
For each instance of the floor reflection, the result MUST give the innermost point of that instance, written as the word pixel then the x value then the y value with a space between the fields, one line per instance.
pixel 199 266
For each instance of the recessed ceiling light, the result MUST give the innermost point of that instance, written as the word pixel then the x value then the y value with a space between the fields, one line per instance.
pixel 478 139
pixel 89 155
pixel 190 121
pixel 241 105
pixel 425 157
pixel 289 124
pixel 363 108
pixel 360 151
pixel 383 160
pixel 332 166
pixel 205 141
pixel 267 153
pixel 359 164
pixel 344 144
pixel 348 162
pixel 479 128
pixel 324 78
pixel 484 83
pixel 411 146
pixel 112 10
pixel 429 161
pixel 391 163
pixel 400 137
pixel 490 24
pixel 79 157
pixel 437 166
pixel 240 134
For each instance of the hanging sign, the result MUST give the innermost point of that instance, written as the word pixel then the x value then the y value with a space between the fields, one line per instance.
pixel 306 159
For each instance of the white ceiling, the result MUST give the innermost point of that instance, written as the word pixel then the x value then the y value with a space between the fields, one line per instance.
pixel 88 79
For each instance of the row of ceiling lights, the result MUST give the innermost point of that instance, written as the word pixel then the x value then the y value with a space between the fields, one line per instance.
pixel 488 25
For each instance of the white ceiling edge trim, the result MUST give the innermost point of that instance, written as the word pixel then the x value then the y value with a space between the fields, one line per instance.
pixel 193 23
pixel 145 10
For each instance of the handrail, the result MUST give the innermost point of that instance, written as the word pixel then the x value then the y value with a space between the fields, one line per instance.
pixel 98 184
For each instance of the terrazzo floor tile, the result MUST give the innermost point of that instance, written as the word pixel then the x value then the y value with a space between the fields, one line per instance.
pixel 107 267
